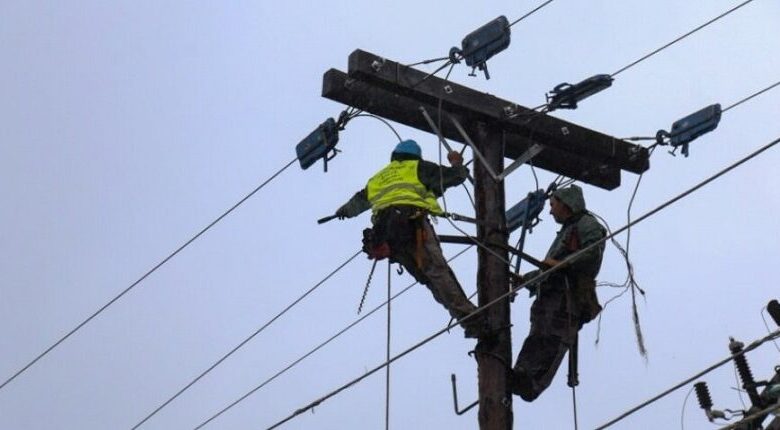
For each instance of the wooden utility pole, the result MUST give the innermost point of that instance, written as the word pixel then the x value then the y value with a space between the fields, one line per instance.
pixel 494 354
pixel 499 129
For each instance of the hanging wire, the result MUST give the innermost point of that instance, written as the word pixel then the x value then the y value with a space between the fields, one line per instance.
pixel 739 392
pixel 621 70
pixel 381 119
pixel 764 309
pixel 555 269
pixel 317 348
pixel 387 356
pixel 244 342
pixel 146 275
pixel 682 413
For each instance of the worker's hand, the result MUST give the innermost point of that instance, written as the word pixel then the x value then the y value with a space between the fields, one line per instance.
pixel 455 158
pixel 550 262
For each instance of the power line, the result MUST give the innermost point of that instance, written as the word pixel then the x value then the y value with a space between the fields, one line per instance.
pixel 539 277
pixel 530 13
pixel 751 96
pixel 317 348
pixel 621 70
pixel 244 342
pixel 152 270
pixel 750 347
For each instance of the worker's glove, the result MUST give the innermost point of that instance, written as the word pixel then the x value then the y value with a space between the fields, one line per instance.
pixel 341 213
pixel 455 158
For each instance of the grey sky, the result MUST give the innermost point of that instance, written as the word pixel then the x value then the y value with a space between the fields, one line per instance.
pixel 128 126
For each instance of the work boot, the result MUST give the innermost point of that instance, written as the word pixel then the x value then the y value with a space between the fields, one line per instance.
pixel 522 385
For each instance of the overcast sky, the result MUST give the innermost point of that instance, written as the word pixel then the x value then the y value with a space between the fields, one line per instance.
pixel 127 127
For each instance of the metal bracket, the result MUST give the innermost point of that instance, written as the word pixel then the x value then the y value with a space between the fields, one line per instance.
pixel 524 158
pixel 435 129
pixel 470 143
pixel 439 135
pixel 455 398
pixel 529 154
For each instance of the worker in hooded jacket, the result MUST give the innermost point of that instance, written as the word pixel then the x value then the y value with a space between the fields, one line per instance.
pixel 401 196
pixel 565 299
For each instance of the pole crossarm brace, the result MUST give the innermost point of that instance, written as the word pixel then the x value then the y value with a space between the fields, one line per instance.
pixel 569 149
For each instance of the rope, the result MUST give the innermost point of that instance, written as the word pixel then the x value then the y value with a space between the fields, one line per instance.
pixel 243 342
pixel 679 38
pixel 574 405
pixel 146 275
pixel 317 348
pixel 539 277
pixel 387 356
pixel 750 347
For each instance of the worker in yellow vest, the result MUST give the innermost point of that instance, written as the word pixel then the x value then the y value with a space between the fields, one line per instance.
pixel 401 196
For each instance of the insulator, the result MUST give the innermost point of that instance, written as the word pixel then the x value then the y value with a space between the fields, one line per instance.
pixel 774 311
pixel 742 365
pixel 703 394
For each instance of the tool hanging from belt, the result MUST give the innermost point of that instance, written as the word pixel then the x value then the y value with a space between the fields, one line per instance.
pixel 420 236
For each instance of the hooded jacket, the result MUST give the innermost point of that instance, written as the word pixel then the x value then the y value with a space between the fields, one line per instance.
pixel 579 231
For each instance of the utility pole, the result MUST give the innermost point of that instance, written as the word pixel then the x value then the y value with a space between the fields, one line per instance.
pixel 498 129
pixel 494 354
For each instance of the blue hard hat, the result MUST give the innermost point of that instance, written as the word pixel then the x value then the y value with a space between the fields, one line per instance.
pixel 408 147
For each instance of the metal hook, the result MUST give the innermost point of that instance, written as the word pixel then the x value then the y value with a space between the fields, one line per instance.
pixel 455 398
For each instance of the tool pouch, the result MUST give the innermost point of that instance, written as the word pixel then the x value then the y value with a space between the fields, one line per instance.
pixel 374 248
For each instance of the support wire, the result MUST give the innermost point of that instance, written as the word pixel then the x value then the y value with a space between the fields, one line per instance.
pixel 242 343
pixel 142 278
pixel 315 349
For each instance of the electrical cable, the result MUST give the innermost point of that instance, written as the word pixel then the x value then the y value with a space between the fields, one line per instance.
pixel 317 348
pixel 682 413
pixel 739 392
pixel 359 114
pixel 147 274
pixel 750 97
pixel 733 105
pixel 530 13
pixel 555 269
pixel 244 342
pixel 750 347
pixel 621 70
pixel 767 326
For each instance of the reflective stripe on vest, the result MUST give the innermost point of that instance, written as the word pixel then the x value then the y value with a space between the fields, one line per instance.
pixel 398 184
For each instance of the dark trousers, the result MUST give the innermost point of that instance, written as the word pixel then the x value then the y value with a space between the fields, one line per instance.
pixel 554 326
pixel 427 264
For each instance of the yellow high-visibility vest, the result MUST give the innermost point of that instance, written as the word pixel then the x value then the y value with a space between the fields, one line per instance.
pixel 398 184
